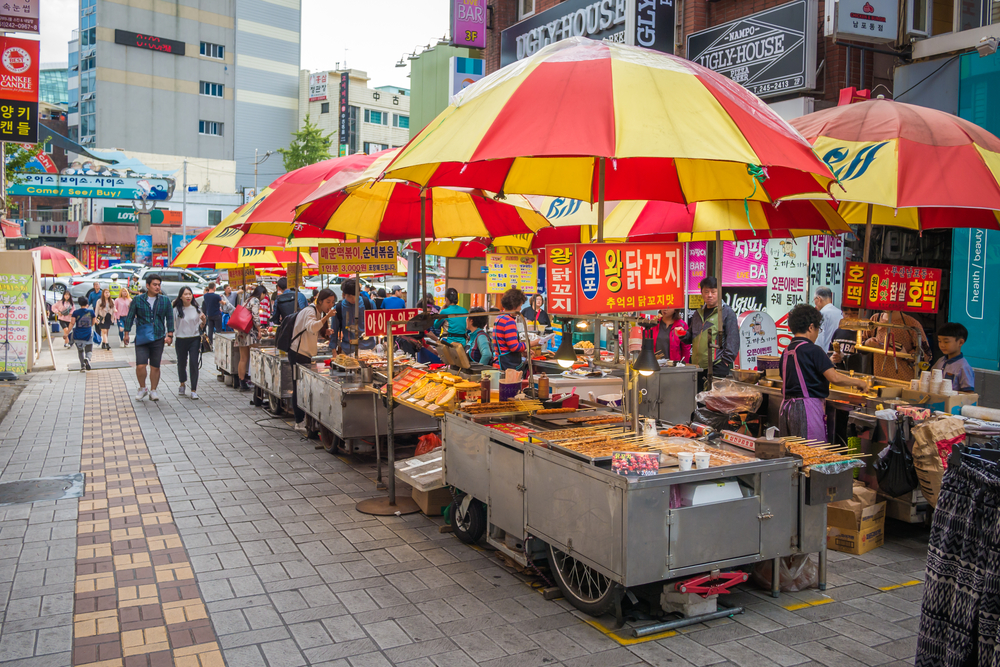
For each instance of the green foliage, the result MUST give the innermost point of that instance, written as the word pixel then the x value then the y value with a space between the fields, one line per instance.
pixel 309 147
pixel 19 155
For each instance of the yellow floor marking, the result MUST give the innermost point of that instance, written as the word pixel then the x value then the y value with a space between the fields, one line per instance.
pixel 914 582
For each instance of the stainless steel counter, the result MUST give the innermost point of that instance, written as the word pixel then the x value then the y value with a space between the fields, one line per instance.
pixel 227 357
pixel 272 378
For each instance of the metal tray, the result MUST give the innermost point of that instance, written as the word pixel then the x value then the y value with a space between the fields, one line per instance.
pixel 592 460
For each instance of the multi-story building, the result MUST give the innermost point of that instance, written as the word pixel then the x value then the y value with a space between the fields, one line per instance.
pixel 378 118
pixel 52 84
pixel 201 79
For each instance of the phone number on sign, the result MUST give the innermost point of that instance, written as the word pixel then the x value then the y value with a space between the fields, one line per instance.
pixel 358 268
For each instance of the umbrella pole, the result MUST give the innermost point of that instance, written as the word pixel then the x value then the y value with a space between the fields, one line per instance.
pixel 357 308
pixel 423 246
pixel 600 202
pixel 710 378
pixel 868 247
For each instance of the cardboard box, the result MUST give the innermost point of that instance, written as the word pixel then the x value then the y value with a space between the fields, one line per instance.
pixel 951 405
pixel 861 498
pixel 431 502
pixel 845 533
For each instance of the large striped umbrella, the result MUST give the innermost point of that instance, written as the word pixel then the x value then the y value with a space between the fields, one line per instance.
pixel 197 253
pixel 599 121
pixel 56 262
pixel 908 166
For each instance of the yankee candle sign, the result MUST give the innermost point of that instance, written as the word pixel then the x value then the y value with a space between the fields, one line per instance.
pixel 588 279
pixel 891 287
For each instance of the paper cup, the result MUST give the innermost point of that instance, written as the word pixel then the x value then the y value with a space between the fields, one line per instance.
pixel 936 374
pixel 915 385
pixel 685 459
pixel 702 459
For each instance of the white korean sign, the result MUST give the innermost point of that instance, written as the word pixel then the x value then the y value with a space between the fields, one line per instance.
pixel 868 20
pixel 317 87
pixel 826 265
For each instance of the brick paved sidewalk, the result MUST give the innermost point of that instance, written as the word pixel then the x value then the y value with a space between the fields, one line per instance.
pixel 291 575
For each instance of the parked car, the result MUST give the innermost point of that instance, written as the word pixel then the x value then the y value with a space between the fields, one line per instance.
pixel 211 275
pixel 79 285
pixel 171 281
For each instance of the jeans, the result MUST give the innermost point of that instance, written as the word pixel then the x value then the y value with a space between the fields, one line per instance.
pixel 213 324
pixel 188 356
pixel 294 358
pixel 121 330
pixel 84 348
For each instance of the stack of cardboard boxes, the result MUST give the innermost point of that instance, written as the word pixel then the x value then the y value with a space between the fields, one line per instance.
pixel 856 526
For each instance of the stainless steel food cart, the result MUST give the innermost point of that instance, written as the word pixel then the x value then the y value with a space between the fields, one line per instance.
pixel 272 378
pixel 669 394
pixel 227 357
pixel 603 532
pixel 348 414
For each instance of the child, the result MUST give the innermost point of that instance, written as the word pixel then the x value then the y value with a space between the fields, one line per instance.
pixel 83 332
pixel 951 337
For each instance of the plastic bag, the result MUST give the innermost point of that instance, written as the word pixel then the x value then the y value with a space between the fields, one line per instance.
pixel 895 471
pixel 717 420
pixel 795 573
pixel 726 396
pixel 427 443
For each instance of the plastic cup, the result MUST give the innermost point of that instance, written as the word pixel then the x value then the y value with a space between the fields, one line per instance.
pixel 685 459
pixel 702 460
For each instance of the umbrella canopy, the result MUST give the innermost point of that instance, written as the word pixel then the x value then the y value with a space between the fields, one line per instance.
pixel 56 262
pixel 298 237
pixel 908 166
pixel 707 220
pixel 391 210
pixel 199 254
pixel 656 126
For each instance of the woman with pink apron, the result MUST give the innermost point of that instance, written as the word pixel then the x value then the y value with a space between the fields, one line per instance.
pixel 804 391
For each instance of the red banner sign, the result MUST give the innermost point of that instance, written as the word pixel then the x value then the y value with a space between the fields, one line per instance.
pixel 378 321
pixel 589 279
pixel 891 287
pixel 19 69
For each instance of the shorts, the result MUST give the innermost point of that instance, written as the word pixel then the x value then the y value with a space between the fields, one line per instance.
pixel 150 353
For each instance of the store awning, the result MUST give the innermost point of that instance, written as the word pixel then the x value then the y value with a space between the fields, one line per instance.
pixel 10 230
pixel 124 235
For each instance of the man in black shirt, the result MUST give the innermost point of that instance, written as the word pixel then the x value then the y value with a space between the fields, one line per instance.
pixel 806 374
pixel 213 311
pixel 284 303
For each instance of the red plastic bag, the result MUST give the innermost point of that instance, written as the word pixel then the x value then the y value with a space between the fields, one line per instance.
pixel 427 443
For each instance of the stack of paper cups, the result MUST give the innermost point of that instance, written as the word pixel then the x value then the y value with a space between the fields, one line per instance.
pixel 935 374
pixel 925 381
pixel 935 386
pixel 915 385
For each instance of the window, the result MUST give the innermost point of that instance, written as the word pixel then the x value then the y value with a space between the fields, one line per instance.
pixel 210 127
pixel 210 50
pixel 400 121
pixel 374 148
pixel 211 89
pixel 214 217
pixel 324 107
pixel 525 8
pixel 376 117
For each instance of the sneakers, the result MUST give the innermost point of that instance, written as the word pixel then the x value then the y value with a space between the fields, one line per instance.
pixel 83 369
pixel 194 396
pixel 143 393
pixel 300 427
pixel 87 362
pixel 181 391
pixel 153 396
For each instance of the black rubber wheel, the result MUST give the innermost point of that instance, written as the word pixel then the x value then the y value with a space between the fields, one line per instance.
pixel 328 439
pixel 584 587
pixel 471 527
pixel 274 405
pixel 258 399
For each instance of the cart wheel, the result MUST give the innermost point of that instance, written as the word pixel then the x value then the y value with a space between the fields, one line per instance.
pixel 274 404
pixel 258 399
pixel 584 587
pixel 328 438
pixel 470 527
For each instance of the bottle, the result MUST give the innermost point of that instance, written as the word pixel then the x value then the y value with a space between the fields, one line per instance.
pixel 543 387
pixel 484 389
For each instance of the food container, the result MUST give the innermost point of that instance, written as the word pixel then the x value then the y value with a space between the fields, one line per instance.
pixel 744 375
pixel 508 390
pixel 767 362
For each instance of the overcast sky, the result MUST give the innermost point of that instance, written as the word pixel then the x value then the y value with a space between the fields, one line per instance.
pixel 374 32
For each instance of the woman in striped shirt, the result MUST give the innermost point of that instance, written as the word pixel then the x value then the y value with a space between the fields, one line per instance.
pixel 508 346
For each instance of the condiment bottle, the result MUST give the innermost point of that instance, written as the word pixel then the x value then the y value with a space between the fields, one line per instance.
pixel 543 387
pixel 484 389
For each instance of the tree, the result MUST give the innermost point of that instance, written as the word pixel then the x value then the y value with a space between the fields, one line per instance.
pixel 309 147
pixel 18 156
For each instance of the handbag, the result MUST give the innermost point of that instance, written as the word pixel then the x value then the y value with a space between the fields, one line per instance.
pixel 97 337
pixel 896 473
pixel 241 320
pixel 206 344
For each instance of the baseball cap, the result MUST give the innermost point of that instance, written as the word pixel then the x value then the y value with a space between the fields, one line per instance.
pixel 397 288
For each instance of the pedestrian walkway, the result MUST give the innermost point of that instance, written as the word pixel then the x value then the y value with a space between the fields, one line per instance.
pixel 288 574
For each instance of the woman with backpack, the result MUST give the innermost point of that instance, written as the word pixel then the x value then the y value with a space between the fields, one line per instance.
pixel 309 324
pixel 479 349
pixel 187 339
pixel 82 322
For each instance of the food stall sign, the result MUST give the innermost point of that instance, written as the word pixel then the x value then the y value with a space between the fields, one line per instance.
pixel 357 257
pixel 377 321
pixel 593 278
pixel 511 272
pixel 243 276
pixel 293 273
pixel 890 287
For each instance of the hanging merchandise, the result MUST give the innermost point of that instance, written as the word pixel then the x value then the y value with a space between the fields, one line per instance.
pixel 894 471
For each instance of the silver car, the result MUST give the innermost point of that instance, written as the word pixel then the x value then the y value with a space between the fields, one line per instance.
pixel 79 285
pixel 171 281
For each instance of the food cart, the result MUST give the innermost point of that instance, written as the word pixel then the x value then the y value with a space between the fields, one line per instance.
pixel 227 358
pixel 604 533
pixel 272 378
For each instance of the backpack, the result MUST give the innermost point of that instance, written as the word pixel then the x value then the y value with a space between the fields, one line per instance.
pixel 284 307
pixel 474 353
pixel 283 338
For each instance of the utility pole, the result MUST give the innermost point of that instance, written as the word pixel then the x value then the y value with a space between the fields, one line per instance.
pixel 257 161
pixel 184 205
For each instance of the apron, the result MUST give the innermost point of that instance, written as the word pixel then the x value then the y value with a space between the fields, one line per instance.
pixel 700 348
pixel 804 417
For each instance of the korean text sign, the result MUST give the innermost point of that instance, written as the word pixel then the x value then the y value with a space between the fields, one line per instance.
pixel 891 287
pixel 511 271
pixel 377 322
pixel 18 90
pixel 588 279
pixel 19 15
pixel 357 258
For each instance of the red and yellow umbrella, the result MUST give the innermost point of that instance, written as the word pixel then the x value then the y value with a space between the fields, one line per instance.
pixel 56 262
pixel 908 166
pixel 602 121
pixel 197 253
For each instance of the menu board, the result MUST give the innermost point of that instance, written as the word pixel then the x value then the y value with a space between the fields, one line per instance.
pixel 511 272
pixel 592 278
pixel 243 276
pixel 293 272
pixel 346 258
pixel 891 287
pixel 15 322
pixel 377 321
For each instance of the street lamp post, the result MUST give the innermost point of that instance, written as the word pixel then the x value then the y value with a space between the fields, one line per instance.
pixel 258 161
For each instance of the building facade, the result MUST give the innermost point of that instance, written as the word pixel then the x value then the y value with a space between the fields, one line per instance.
pixel 378 118
pixel 208 79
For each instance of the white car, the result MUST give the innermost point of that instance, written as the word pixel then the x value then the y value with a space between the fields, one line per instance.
pixel 171 281
pixel 79 285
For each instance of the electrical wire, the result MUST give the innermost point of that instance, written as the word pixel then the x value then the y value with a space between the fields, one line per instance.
pixel 945 64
